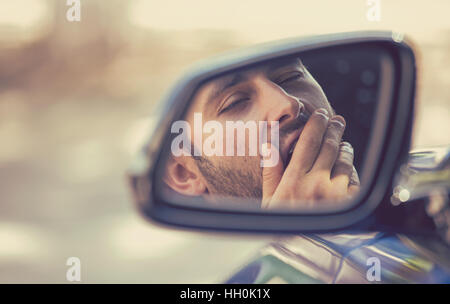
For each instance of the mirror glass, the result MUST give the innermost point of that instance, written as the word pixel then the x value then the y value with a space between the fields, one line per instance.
pixel 292 133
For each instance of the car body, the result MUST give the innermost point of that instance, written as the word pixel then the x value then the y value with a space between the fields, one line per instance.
pixel 344 257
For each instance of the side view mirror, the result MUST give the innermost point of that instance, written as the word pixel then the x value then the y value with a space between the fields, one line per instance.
pixel 295 136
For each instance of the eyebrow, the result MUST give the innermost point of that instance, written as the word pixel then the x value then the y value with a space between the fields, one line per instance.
pixel 222 84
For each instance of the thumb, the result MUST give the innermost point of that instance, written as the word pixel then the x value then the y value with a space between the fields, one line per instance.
pixel 271 173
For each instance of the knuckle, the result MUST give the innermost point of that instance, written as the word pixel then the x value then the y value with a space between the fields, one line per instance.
pixel 336 127
pixel 346 147
pixel 345 159
pixel 339 121
pixel 342 168
pixel 319 189
pixel 330 143
pixel 318 194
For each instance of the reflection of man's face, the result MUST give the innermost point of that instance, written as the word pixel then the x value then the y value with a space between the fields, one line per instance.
pixel 277 92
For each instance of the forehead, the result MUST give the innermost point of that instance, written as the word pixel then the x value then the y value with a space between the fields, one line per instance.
pixel 213 86
pixel 266 69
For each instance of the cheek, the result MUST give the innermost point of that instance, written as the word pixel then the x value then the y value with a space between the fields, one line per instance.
pixel 242 141
pixel 237 138
pixel 245 137
pixel 243 165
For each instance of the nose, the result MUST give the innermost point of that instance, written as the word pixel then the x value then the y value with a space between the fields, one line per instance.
pixel 280 105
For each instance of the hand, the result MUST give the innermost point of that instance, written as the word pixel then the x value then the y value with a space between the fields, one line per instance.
pixel 321 167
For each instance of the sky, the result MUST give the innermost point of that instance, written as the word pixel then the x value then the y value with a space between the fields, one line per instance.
pixel 268 20
pixel 257 20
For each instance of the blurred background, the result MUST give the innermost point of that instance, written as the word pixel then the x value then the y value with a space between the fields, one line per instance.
pixel 75 97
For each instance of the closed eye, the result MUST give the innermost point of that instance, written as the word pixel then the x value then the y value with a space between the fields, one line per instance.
pixel 234 105
pixel 289 77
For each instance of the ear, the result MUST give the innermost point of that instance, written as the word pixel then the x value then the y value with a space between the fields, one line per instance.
pixel 183 177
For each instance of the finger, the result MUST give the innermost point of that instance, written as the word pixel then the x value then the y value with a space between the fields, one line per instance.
pixel 308 144
pixel 354 183
pixel 343 167
pixel 271 174
pixel 329 149
pixel 354 179
pixel 352 190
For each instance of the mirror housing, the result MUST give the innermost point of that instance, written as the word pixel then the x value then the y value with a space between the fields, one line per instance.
pixel 391 138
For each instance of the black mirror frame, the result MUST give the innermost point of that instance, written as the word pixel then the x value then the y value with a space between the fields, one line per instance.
pixel 393 149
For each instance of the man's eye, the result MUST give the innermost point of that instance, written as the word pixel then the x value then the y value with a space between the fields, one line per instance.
pixel 234 105
pixel 289 77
